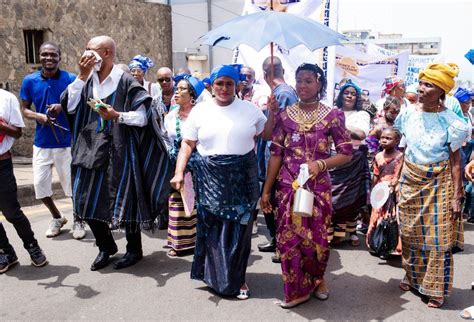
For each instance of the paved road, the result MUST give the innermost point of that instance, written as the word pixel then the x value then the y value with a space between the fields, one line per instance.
pixel 362 287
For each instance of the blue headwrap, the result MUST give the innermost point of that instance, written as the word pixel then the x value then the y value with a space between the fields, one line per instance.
pixel 463 95
pixel 206 81
pixel 351 84
pixel 225 70
pixel 142 62
pixel 179 77
pixel 195 83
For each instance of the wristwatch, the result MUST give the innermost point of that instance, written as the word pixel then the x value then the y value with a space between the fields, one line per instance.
pixel 120 118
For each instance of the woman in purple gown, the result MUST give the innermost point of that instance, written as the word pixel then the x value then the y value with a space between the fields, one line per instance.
pixel 303 133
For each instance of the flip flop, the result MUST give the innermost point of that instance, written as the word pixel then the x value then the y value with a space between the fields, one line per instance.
pixel 355 242
pixel 404 284
pixel 172 253
pixel 295 303
pixel 436 302
pixel 467 313
pixel 321 295
pixel 244 293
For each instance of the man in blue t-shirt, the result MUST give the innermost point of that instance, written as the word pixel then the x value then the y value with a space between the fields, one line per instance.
pixel 286 96
pixel 52 144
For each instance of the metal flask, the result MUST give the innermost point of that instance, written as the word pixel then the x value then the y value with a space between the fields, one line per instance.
pixel 303 203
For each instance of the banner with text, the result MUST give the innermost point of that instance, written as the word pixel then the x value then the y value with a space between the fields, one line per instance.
pixel 368 70
pixel 414 65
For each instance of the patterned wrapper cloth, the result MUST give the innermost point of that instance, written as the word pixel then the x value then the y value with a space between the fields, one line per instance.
pixel 429 235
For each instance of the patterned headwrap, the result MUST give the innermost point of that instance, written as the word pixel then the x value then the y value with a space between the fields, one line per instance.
pixel 206 81
pixel 390 83
pixel 196 84
pixel 225 70
pixel 441 75
pixel 463 95
pixel 179 77
pixel 142 62
pixel 349 83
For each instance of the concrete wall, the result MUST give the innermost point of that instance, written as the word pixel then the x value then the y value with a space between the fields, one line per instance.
pixel 137 27
pixel 190 21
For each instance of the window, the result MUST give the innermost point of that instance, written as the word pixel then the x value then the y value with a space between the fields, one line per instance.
pixel 33 41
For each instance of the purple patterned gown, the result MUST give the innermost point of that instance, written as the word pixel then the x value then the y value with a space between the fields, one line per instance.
pixel 303 241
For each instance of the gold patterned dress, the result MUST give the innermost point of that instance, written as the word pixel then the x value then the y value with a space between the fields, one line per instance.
pixel 303 241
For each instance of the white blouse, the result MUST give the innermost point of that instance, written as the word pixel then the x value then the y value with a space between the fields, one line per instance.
pixel 224 130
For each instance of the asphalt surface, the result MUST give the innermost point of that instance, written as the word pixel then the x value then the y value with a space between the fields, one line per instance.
pixel 362 287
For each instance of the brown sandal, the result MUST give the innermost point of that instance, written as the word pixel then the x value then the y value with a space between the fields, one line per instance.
pixel 404 284
pixel 436 302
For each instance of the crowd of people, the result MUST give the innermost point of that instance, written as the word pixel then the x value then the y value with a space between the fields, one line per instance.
pixel 207 156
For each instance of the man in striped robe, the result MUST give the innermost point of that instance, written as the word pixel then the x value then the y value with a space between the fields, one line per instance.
pixel 120 168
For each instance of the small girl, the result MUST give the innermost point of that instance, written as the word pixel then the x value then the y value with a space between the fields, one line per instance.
pixel 391 109
pixel 387 165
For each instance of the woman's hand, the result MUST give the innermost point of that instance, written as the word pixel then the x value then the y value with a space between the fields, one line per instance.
pixel 265 202
pixel 272 104
pixel 177 182
pixel 313 168
pixel 456 205
pixel 469 171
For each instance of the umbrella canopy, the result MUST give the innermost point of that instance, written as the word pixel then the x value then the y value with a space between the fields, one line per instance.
pixel 470 56
pixel 259 29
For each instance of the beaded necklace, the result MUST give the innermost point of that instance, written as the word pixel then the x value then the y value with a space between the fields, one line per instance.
pixel 178 126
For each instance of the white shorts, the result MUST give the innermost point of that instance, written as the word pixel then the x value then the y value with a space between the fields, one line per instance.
pixel 43 161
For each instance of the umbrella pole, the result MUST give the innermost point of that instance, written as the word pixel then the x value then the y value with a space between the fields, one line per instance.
pixel 271 65
pixel 271 53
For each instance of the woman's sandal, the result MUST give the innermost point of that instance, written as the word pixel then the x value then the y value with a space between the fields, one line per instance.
pixel 295 303
pixel 321 294
pixel 436 302
pixel 244 293
pixel 404 284
pixel 172 253
pixel 467 313
pixel 355 242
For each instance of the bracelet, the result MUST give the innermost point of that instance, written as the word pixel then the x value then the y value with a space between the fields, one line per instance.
pixel 325 165
pixel 321 165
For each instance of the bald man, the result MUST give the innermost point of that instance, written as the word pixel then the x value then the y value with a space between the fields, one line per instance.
pixel 165 79
pixel 119 163
pixel 285 96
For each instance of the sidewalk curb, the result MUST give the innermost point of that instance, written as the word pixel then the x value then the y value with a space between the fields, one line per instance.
pixel 26 194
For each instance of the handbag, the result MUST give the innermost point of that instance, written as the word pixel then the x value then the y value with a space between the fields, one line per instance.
pixel 384 239
pixel 92 149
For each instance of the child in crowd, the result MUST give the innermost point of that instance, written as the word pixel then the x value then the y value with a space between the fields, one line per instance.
pixel 387 165
pixel 391 109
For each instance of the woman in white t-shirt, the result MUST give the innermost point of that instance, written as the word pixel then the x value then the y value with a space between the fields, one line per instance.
pixel 223 131
pixel 182 216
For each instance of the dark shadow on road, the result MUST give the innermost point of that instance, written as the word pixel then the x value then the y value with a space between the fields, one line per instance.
pixel 157 265
pixel 61 272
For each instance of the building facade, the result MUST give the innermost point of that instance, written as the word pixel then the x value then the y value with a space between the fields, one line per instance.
pixel 395 42
pixel 137 26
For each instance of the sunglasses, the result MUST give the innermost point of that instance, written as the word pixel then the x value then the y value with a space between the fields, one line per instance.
pixel 166 79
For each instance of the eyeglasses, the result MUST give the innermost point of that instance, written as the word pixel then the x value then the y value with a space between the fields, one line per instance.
pixel 166 79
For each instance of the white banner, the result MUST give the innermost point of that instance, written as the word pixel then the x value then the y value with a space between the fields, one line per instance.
pixel 417 63
pixel 323 11
pixel 414 65
pixel 368 71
